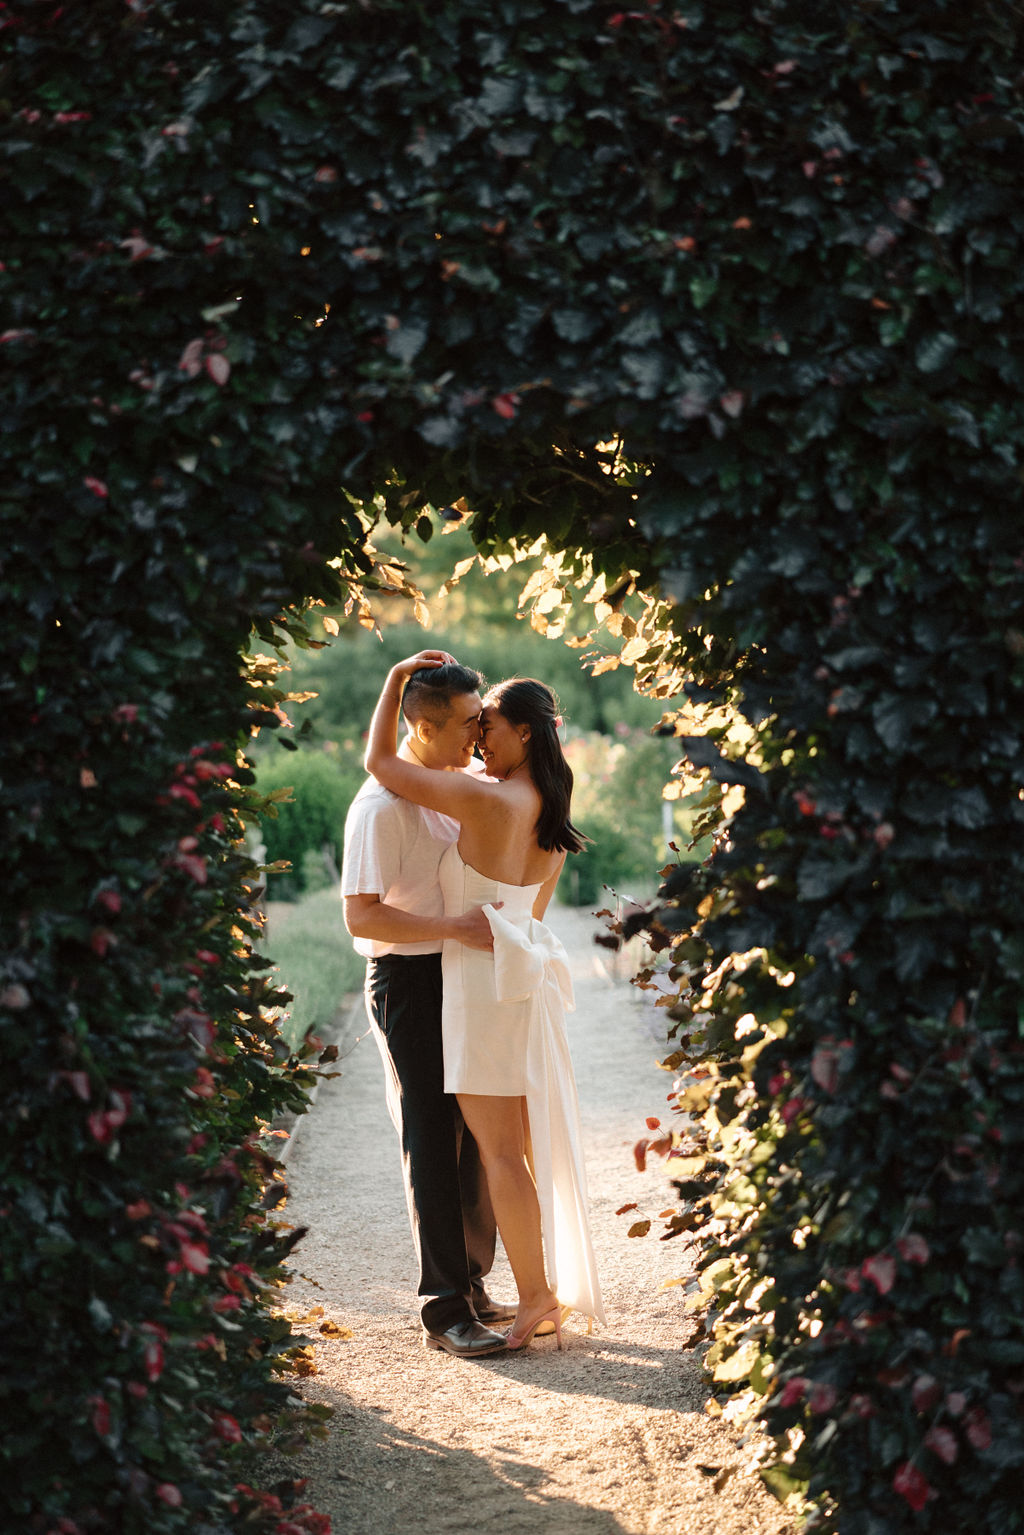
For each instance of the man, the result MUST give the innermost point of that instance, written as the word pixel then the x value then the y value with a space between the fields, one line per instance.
pixel 394 912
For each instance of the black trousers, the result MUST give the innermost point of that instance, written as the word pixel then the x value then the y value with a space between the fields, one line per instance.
pixel 445 1188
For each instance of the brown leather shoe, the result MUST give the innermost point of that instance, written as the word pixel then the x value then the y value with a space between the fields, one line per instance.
pixel 467 1340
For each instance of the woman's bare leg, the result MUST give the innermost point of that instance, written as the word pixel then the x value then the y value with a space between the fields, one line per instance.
pixel 498 1127
pixel 528 1141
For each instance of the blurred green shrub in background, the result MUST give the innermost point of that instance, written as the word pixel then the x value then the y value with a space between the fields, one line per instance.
pixel 308 829
pixel 618 803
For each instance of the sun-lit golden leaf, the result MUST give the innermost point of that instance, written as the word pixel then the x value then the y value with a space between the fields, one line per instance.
pixel 422 613
pixel 598 589
pixel 632 651
pixel 739 1365
pixel 332 1329
pixel 330 624
pixel 606 664
pixel 457 574
pixel 538 622
pixel 554 597
pixel 539 582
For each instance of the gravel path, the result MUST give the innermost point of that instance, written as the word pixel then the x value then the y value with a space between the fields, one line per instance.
pixel 608 1436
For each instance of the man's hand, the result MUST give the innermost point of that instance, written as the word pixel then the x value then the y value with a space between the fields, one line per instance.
pixel 473 928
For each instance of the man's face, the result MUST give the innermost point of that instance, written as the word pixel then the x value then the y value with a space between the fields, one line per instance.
pixel 451 745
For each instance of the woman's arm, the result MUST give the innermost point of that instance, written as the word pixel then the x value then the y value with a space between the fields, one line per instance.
pixel 546 891
pixel 451 793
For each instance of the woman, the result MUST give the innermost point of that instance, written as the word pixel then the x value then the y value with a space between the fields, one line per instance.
pixel 506 1056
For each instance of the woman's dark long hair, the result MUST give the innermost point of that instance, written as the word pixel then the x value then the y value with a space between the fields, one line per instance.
pixel 525 701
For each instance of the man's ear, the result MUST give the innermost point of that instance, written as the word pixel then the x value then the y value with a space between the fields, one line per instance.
pixel 424 730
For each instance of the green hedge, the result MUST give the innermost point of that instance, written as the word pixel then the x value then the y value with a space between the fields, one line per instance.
pixel 297 829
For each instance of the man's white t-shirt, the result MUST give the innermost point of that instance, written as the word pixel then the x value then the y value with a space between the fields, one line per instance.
pixel 392 850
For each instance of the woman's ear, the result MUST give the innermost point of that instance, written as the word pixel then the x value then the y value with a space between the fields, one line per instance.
pixel 525 733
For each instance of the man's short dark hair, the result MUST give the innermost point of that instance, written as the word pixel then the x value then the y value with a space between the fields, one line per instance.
pixel 430 692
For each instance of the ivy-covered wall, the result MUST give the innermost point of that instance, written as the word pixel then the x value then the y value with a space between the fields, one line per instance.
pixel 765 263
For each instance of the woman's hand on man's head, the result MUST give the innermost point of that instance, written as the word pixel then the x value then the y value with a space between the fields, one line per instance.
pixel 420 661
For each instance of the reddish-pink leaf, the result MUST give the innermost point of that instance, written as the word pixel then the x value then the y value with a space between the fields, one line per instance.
pixel 505 405
pixel 881 1270
pixel 226 1428
pixel 913 1248
pixel 640 1154
pixel 825 1067
pixel 191 359
pixel 97 487
pixel 169 1494
pixel 137 247
pixel 911 1484
pixel 822 1397
pixel 926 1393
pixel 153 1358
pixel 942 1442
pixel 652 1123
pixel 183 792
pixel 793 1391
pixel 624 1208
pixel 218 367
pixel 193 866
pixel 121 1108
pixel 99 1127
pixel 99 1410
pixel 196 1257
pixel 978 1428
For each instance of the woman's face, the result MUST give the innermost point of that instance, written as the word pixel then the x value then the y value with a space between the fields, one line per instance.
pixel 503 746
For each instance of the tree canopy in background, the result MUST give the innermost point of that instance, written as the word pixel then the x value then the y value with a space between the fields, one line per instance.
pixel 725 302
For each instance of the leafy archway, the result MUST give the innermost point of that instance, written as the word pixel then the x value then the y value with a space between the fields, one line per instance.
pixel 726 302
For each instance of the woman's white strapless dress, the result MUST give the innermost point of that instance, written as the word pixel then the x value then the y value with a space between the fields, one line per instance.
pixel 503 1023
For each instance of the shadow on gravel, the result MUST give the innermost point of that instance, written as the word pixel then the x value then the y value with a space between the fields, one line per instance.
pixel 373 1477
pixel 608 1369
